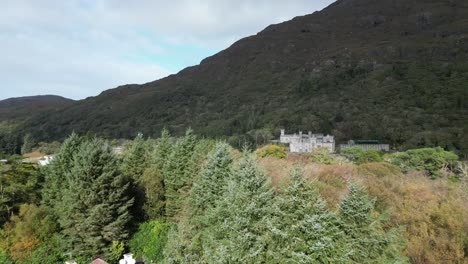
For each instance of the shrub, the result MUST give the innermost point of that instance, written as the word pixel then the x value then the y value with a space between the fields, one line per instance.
pixel 271 151
pixel 322 155
pixel 430 160
pixel 149 241
pixel 360 156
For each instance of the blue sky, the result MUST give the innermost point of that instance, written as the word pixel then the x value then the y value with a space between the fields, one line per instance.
pixel 79 48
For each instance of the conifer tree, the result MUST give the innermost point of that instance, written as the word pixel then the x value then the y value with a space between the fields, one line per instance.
pixel 162 150
pixel 54 173
pixel 136 158
pixel 239 219
pixel 178 172
pixel 368 240
pixel 207 189
pixel 303 230
pixel 95 207
pixel 211 183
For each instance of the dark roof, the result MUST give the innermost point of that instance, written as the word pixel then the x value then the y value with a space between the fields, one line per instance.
pixel 362 142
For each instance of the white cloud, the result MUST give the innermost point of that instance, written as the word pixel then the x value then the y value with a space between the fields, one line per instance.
pixel 82 47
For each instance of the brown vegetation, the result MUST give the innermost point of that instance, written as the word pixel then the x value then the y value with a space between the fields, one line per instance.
pixel 432 213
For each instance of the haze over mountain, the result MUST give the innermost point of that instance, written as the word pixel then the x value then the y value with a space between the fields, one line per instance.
pixel 394 70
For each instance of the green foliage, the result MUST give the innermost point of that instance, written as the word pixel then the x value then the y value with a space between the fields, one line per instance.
pixel 369 242
pixel 274 151
pixel 136 158
pixel 211 182
pixel 430 160
pixel 93 206
pixel 5 259
pixel 322 155
pixel 361 156
pixel 149 241
pixel 54 173
pixel 19 183
pixel 238 221
pixel 153 178
pixel 303 231
pixel 180 168
pixel 115 252
pixel 48 148
pixel 28 144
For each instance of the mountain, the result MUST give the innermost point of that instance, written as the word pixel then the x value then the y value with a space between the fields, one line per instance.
pixel 26 107
pixel 393 70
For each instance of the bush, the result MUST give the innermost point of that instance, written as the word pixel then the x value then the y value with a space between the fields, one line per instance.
pixel 271 151
pixel 361 156
pixel 149 241
pixel 322 155
pixel 430 160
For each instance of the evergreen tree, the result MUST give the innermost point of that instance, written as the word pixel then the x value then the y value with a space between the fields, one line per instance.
pixel 303 230
pixel 136 158
pixel 238 222
pixel 54 173
pixel 207 189
pixel 153 180
pixel 95 207
pixel 368 240
pixel 162 150
pixel 210 185
pixel 178 172
pixel 135 161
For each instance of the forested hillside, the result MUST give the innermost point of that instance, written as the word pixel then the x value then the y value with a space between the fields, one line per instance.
pixel 191 200
pixel 394 70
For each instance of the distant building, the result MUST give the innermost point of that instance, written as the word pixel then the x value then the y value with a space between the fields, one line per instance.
pixel 45 160
pixel 366 145
pixel 303 143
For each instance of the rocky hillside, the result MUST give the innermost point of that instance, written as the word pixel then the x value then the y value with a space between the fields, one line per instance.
pixel 394 70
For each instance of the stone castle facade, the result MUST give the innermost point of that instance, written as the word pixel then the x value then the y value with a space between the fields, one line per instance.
pixel 303 143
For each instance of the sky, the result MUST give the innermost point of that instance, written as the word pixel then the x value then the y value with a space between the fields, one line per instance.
pixel 79 48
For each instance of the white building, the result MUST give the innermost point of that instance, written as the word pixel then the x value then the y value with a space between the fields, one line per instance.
pixel 303 143
pixel 45 160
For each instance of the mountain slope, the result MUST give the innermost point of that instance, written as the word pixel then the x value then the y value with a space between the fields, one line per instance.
pixel 394 70
pixel 25 107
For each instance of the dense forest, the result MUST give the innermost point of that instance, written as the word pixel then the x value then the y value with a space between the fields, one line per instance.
pixel 193 200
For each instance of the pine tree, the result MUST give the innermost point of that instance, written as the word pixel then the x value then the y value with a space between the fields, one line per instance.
pixel 365 234
pixel 95 207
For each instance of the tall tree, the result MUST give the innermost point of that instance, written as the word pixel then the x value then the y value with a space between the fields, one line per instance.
pixel 54 173
pixel 178 173
pixel 365 234
pixel 211 183
pixel 153 178
pixel 302 229
pixel 136 158
pixel 95 207
pixel 239 219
